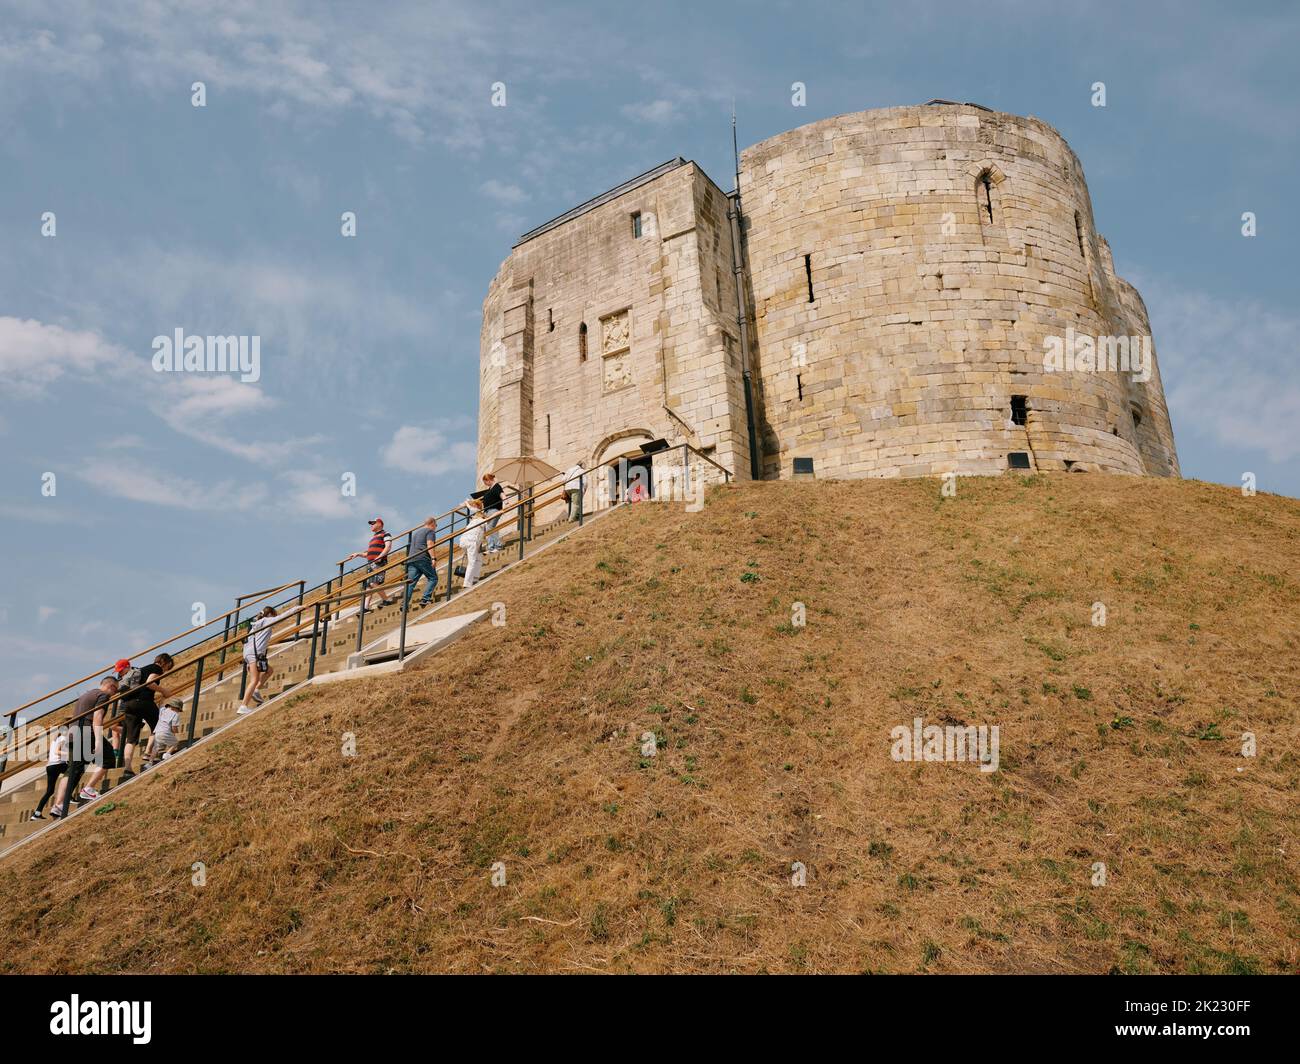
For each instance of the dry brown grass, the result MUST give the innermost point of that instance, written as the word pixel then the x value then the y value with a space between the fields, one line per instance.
pixel 519 745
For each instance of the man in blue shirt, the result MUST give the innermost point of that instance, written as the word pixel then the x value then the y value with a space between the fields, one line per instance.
pixel 419 562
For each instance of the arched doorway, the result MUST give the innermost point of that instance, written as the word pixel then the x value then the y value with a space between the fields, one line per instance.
pixel 639 468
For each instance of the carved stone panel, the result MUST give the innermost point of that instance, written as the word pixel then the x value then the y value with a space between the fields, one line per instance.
pixel 615 350
pixel 614 334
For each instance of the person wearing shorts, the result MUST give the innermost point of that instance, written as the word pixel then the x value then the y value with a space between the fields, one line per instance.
pixel 376 556
pixel 104 758
pixel 89 708
pixel 166 737
pixel 139 708
pixel 255 648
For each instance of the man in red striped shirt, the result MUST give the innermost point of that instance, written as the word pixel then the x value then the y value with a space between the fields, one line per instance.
pixel 376 556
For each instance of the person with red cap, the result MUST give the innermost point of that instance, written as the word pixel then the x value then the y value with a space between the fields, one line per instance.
pixel 376 556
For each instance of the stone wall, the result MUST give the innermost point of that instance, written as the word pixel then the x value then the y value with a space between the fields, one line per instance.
pixel 927 314
pixel 944 244
pixel 659 354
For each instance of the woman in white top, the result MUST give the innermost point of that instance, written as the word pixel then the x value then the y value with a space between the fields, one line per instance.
pixel 471 540
pixel 54 768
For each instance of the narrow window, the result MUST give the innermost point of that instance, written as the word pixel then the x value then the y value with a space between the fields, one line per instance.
pixel 1019 410
pixel 807 268
pixel 1018 460
pixel 986 195
pixel 550 320
pixel 548 432
pixel 1137 415
pixel 798 381
pixel 636 226
pixel 582 342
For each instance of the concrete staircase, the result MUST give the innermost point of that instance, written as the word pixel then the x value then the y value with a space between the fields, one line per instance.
pixel 336 655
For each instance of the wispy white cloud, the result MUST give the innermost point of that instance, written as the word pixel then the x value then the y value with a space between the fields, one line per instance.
pixel 137 482
pixel 504 192
pixel 33 354
pixel 430 450
pixel 1228 368
pixel 207 408
pixel 48 511
pixel 657 112
pixel 311 494
pixel 424 70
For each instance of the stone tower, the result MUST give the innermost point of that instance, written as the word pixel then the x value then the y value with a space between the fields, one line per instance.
pixel 905 275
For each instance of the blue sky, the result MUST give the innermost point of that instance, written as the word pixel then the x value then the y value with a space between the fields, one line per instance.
pixel 175 489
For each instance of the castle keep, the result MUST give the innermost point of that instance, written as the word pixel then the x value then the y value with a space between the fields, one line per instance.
pixel 902 275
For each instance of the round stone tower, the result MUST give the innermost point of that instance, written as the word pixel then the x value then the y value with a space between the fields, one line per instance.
pixel 929 295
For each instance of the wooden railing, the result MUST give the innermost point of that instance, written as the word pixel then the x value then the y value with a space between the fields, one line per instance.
pixel 326 603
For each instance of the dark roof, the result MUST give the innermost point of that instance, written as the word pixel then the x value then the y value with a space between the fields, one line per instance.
pixel 955 103
pixel 604 197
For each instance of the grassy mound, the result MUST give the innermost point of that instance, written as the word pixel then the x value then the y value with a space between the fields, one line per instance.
pixel 519 754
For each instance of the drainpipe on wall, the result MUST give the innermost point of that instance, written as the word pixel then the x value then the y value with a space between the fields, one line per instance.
pixel 742 321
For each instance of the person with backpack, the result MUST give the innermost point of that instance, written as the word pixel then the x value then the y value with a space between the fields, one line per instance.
pixel 138 705
pixel 255 647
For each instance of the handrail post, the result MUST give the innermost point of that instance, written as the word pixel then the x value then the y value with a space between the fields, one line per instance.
pixel 406 601
pixel 243 682
pixel 325 628
pixel 194 702
pixel 315 633
pixel 451 552
pixel 302 589
pixel 361 617
pixel 582 496
pixel 686 474
pixel 225 635
pixel 519 523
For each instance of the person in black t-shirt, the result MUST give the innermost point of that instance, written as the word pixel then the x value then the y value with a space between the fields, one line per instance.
pixel 139 707
pixel 491 497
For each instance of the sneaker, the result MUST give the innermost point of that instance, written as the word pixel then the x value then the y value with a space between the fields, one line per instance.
pixel 55 814
pixel 89 793
pixel 127 775
pixel 37 815
pixel 257 698
pixel 243 711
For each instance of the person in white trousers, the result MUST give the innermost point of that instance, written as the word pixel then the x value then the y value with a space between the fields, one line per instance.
pixel 471 541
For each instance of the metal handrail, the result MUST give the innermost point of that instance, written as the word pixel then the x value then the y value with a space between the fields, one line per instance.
pixel 108 668
pixel 524 507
